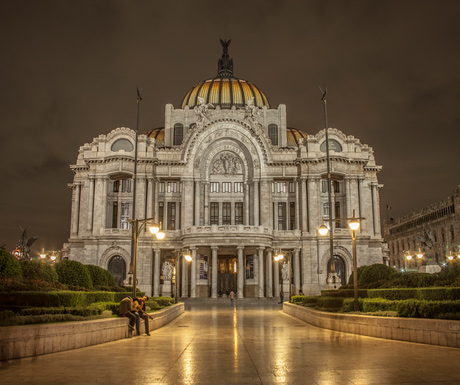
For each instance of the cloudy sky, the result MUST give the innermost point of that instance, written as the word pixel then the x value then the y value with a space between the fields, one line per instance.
pixel 69 72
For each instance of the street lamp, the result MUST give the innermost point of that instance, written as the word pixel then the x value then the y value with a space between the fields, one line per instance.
pixel 188 257
pixel 139 225
pixel 353 224
pixel 279 255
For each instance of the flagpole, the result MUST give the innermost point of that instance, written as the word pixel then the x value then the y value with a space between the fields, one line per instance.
pixel 139 98
pixel 329 182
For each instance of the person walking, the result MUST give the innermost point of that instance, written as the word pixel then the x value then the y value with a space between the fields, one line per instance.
pixel 232 297
pixel 281 296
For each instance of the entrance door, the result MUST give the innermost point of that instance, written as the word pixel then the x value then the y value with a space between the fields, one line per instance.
pixel 226 274
pixel 117 267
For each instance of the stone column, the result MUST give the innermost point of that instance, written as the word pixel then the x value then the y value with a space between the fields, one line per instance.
pixel 256 203
pixel 156 272
pixel 261 272
pixel 240 274
pixel 206 203
pixel 105 181
pixel 197 203
pixel 362 211
pixel 156 206
pixel 276 277
pixel 269 274
pixel 296 272
pixel 184 280
pixel 375 209
pixel 89 224
pixel 193 273
pixel 246 203
pixel 75 208
pixel 214 272
pixel 149 197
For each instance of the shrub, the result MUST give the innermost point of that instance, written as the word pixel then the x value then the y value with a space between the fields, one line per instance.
pixel 360 272
pixel 164 301
pixel 110 280
pixel 348 304
pixel 9 265
pixel 73 273
pixel 310 300
pixel 408 308
pixel 152 305
pixel 371 305
pixel 345 293
pixel 98 276
pixel 297 298
pixel 376 273
pixel 330 302
pixel 413 279
pixel 38 270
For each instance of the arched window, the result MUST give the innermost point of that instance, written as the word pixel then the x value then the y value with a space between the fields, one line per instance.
pixel 122 144
pixel 273 133
pixel 178 134
pixel 339 267
pixel 117 267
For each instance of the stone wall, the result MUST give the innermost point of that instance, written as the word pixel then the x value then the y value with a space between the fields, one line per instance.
pixel 425 331
pixel 34 340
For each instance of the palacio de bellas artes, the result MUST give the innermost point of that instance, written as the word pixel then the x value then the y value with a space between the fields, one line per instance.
pixel 233 185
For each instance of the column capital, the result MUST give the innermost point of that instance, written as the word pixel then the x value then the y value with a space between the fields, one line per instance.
pixel 214 247
pixel 240 247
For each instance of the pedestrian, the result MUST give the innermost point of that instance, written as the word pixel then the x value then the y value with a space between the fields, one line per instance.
pixel 300 292
pixel 232 297
pixel 125 310
pixel 142 314
pixel 281 296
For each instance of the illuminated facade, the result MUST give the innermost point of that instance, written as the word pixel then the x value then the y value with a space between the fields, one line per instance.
pixel 231 182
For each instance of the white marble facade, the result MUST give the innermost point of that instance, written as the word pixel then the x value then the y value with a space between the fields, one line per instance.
pixel 234 185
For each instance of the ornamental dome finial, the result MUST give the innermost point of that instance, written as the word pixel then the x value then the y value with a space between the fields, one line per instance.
pixel 225 64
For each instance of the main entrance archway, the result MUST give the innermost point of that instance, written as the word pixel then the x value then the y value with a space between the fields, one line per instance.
pixel 117 267
pixel 226 274
pixel 339 268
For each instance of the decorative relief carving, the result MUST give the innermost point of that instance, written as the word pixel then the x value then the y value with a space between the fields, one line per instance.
pixel 226 164
pixel 197 162
pixel 202 113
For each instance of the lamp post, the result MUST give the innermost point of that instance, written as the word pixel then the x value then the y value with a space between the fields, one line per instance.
pixel 279 256
pixel 353 224
pixel 139 225
pixel 188 257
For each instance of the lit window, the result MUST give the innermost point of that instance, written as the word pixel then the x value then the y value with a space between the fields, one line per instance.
pixel 214 187
pixel 238 187
pixel 226 187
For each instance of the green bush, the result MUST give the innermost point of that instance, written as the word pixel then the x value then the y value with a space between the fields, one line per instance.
pixel 345 293
pixel 110 280
pixel 360 271
pixel 297 298
pixel 98 276
pixel 375 274
pixel 48 318
pixel 38 270
pixel 152 305
pixel 310 300
pixel 73 273
pixel 371 305
pixel 408 308
pixel 164 301
pixel 348 304
pixel 439 293
pixel 330 302
pixel 392 294
pixel 448 275
pixel 9 265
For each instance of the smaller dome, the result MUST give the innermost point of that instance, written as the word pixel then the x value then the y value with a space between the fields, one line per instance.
pixel 293 135
pixel 158 134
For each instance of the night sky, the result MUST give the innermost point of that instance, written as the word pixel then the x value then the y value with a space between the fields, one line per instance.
pixel 69 72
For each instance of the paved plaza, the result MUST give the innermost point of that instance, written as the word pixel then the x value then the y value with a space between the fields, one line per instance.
pixel 248 344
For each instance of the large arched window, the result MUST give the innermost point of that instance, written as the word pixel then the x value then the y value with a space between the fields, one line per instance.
pixel 273 133
pixel 339 267
pixel 117 267
pixel 178 134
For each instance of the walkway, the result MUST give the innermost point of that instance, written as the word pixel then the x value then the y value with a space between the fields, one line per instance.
pixel 243 345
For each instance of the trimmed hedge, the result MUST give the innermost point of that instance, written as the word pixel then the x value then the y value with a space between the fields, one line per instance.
pixel 38 270
pixel 73 273
pixel 348 304
pixel 9 265
pixel 100 276
pixel 330 302
pixel 164 301
pixel 47 318
pixel 344 293
pixel 297 298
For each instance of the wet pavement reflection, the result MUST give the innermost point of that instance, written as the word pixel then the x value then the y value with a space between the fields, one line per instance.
pixel 247 344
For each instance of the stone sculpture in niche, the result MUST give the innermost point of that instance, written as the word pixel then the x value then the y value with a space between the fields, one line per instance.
pixel 226 164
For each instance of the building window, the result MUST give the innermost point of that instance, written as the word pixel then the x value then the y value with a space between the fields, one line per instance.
pixel 238 187
pixel 214 187
pixel 273 133
pixel 291 215
pixel 116 186
pixel 161 187
pixel 336 186
pixel 324 185
pixel 226 213
pixel 204 267
pixel 115 215
pixel 249 267
pixel 126 185
pixel 292 187
pixel 326 210
pixel 124 215
pixel 281 215
pixel 226 187
pixel 443 236
pixel 171 215
pixel 178 134
pixel 172 187
pixel 214 214
pixel 238 213
pixel 279 187
pixel 337 215
pixel 160 211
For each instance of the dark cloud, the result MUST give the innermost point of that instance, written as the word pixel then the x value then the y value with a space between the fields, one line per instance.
pixel 69 71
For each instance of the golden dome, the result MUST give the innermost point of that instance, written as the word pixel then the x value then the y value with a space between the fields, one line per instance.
pixel 293 135
pixel 225 90
pixel 158 134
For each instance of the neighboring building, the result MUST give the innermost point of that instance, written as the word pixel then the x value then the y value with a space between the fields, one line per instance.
pixel 230 181
pixel 434 230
